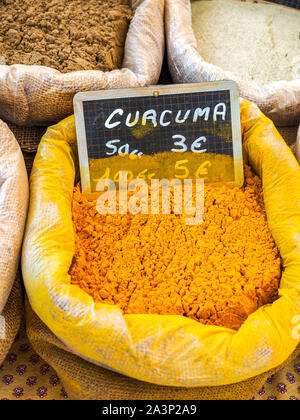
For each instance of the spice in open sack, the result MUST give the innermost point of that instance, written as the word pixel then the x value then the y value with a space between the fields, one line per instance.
pixel 66 36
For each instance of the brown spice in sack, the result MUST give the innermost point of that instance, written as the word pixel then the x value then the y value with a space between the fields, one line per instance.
pixel 218 272
pixel 67 36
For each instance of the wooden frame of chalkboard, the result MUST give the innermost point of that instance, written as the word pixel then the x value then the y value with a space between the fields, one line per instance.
pixel 104 115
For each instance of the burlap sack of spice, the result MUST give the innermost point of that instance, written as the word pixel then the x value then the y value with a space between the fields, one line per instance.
pixel 37 95
pixel 13 210
pixel 164 350
pixel 83 380
pixel 280 100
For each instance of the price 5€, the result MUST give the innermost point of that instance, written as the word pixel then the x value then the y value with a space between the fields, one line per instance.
pixel 181 168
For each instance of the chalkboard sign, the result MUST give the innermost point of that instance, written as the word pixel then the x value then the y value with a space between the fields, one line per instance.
pixel 289 3
pixel 177 131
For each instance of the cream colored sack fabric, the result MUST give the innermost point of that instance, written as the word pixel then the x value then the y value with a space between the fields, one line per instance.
pixel 13 209
pixel 37 95
pixel 280 100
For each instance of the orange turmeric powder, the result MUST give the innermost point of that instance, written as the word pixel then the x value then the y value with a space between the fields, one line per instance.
pixel 216 273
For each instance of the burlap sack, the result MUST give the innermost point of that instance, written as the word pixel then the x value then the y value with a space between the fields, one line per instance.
pixel 13 209
pixel 10 318
pixel 280 101
pixel 27 137
pixel 85 381
pixel 37 95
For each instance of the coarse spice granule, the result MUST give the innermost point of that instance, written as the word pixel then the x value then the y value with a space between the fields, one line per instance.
pixel 65 35
pixel 217 273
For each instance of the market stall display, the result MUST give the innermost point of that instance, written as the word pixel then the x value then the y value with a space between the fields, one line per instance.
pixel 141 306
pixel 13 210
pixel 38 94
pixel 225 52
pixel 264 341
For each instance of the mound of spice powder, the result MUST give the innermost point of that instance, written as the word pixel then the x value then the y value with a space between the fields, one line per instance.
pixel 65 35
pixel 217 273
